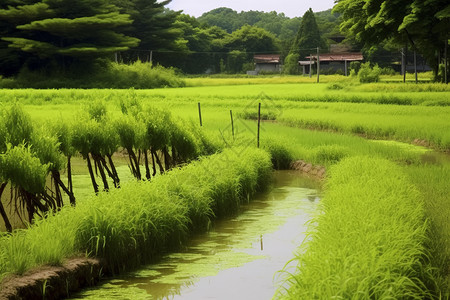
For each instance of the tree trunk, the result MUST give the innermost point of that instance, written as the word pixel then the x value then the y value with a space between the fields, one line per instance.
pixel 57 177
pixel 136 163
pixel 2 209
pixel 99 165
pixel 69 177
pixel 147 168
pixel 91 173
pixel 166 158
pixel 153 162
pixel 174 156
pixel 114 171
pixel 158 161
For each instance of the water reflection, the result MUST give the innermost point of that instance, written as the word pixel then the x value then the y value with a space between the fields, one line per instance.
pixel 237 259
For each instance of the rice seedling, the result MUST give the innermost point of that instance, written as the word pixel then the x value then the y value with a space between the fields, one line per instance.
pixel 369 239
pixel 138 222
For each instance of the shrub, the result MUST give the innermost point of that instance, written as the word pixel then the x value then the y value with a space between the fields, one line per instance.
pixel 139 75
pixel 291 64
pixel 367 74
pixel 355 66
pixel 106 75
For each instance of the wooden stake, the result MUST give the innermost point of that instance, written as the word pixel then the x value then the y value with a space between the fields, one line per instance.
pixel 232 123
pixel 200 114
pixel 259 122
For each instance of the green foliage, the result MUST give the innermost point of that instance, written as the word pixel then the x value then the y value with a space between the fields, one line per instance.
pixel 280 155
pixel 64 33
pixel 416 22
pixel 355 66
pixel 369 74
pixel 371 233
pixel 20 167
pixel 17 125
pixel 138 222
pixel 47 149
pixel 129 131
pixel 290 65
pixel 183 142
pixel 308 37
pixel 138 75
pixel 331 154
pixel 62 130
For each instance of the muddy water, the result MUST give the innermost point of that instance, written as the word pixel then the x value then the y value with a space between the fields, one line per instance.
pixel 237 259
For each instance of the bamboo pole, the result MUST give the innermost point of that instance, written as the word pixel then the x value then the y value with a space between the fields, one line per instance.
pixel 259 122
pixel 232 123
pixel 200 114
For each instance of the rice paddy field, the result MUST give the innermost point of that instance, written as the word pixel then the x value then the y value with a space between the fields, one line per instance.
pixel 383 230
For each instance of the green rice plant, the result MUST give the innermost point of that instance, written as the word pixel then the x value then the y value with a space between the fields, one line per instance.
pixel 16 253
pixel 280 154
pixel 432 181
pixel 331 154
pixel 20 167
pixel 368 241
pixel 18 125
pixel 140 221
pixel 183 144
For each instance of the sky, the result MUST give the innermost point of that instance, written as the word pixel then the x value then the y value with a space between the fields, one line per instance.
pixel 291 8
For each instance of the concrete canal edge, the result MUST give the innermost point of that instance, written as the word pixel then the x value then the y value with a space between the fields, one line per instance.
pixel 53 282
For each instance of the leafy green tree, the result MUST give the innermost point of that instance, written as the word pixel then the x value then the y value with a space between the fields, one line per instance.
pixel 243 43
pixel 308 38
pixel 252 39
pixel 66 32
pixel 155 27
pixel 422 24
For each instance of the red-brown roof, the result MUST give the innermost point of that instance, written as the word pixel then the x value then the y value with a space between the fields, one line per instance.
pixel 267 58
pixel 351 56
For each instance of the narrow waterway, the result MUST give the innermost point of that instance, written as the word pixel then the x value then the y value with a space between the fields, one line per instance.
pixel 238 259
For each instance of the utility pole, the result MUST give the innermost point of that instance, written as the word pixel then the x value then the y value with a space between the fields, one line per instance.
pixel 446 61
pixel 415 65
pixel 406 62
pixel 318 65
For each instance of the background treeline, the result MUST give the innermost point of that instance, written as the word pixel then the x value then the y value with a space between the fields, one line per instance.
pixel 83 38
pixel 60 38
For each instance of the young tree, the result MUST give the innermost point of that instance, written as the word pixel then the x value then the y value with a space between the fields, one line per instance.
pixel 308 38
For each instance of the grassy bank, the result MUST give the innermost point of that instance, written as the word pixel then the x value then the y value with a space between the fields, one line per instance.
pixel 369 240
pixel 141 220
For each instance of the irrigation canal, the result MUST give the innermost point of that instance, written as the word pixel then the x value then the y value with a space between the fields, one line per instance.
pixel 238 259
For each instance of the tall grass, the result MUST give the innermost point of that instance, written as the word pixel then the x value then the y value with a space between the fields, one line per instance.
pixel 368 240
pixel 141 220
pixel 432 181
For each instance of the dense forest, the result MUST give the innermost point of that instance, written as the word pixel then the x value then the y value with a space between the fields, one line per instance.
pixel 73 38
